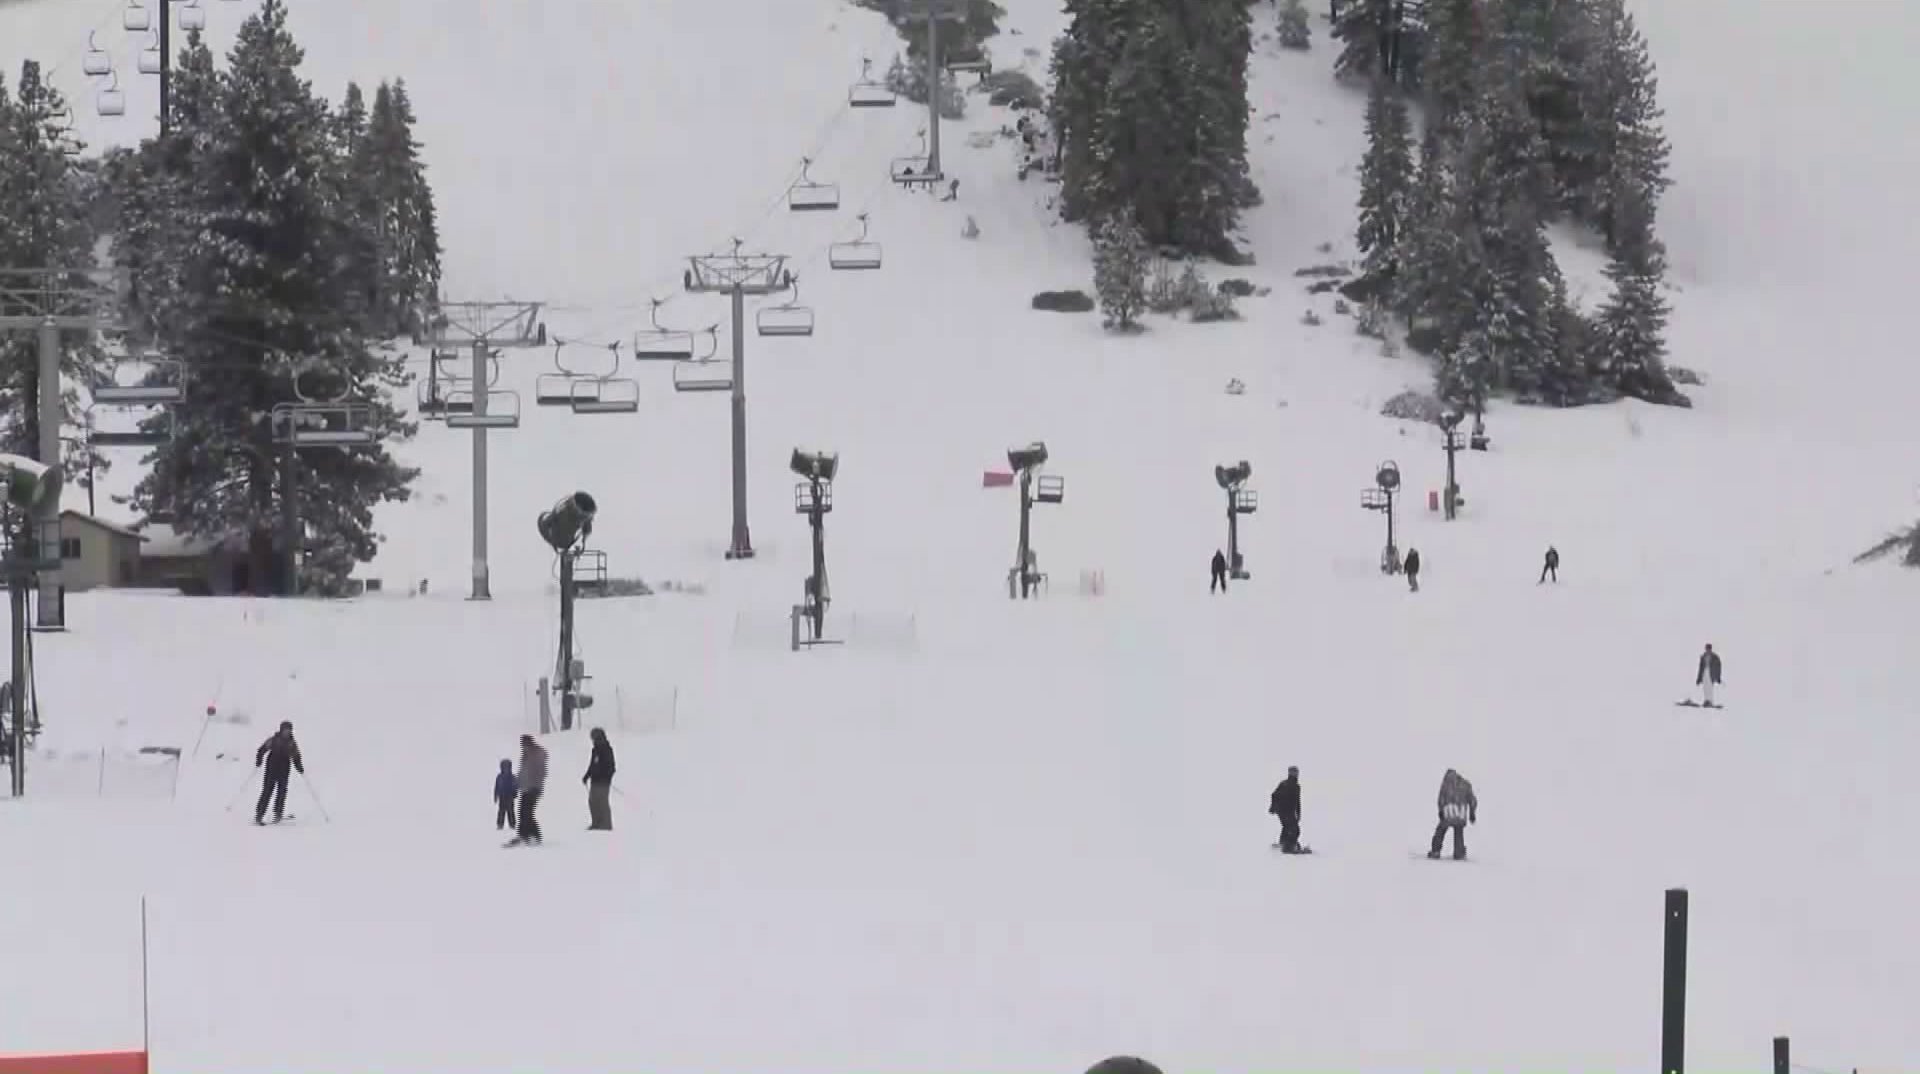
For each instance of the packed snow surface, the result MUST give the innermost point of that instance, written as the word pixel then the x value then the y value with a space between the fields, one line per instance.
pixel 996 836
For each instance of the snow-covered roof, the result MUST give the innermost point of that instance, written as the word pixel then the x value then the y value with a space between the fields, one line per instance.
pixel 115 528
pixel 164 542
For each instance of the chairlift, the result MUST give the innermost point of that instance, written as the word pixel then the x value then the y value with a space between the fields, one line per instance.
pixel 193 16
pixel 607 395
pixel 150 59
pixel 558 388
pixel 98 61
pixel 911 171
pixel 124 438
pixel 703 376
pixel 805 195
pixel 789 318
pixel 111 101
pixel 338 424
pixel 856 255
pixel 151 392
pixel 135 17
pixel 662 344
pixel 503 412
pixel 969 59
pixel 867 93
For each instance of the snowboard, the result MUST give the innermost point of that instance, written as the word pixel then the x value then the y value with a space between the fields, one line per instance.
pixel 1302 850
pixel 1421 855
pixel 1691 704
pixel 270 823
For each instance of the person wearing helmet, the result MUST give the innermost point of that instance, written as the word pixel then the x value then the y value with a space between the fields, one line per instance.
pixel 279 755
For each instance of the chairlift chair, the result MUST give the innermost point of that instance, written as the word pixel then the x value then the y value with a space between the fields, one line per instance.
pixel 123 438
pixel 97 61
pixel 610 395
pixel 150 392
pixel 703 376
pixel 806 195
pixel 111 101
pixel 856 255
pixel 867 93
pixel 150 61
pixel 503 412
pixel 662 344
pixel 193 16
pixel 788 318
pixel 562 387
pixel 340 424
pixel 135 17
pixel 974 59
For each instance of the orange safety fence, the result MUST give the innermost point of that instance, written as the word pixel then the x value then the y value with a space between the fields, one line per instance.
pixel 78 1063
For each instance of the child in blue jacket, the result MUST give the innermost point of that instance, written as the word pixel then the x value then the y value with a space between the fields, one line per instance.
pixel 504 791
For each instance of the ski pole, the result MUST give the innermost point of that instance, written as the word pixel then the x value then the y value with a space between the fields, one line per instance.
pixel 308 784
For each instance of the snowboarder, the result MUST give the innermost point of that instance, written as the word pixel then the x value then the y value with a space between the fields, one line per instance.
pixel 1285 804
pixel 599 780
pixel 279 754
pixel 1551 566
pixel 1458 808
pixel 532 781
pixel 1707 676
pixel 1412 569
pixel 504 790
pixel 1219 583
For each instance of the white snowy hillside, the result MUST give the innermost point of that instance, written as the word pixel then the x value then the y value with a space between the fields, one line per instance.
pixel 1003 836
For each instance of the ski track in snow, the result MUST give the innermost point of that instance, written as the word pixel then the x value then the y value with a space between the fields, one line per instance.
pixel 1035 836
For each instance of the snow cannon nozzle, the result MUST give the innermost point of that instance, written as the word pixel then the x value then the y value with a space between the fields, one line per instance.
pixel 568 521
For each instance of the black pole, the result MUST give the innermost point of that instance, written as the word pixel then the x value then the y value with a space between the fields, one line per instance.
pixel 1673 1007
pixel 1233 535
pixel 566 640
pixel 1026 509
pixel 1780 1063
pixel 290 521
pixel 819 520
pixel 1453 446
pixel 17 724
pixel 166 67
pixel 1393 554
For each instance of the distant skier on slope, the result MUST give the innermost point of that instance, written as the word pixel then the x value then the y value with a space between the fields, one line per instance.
pixel 1412 569
pixel 278 754
pixel 1219 583
pixel 532 781
pixel 1707 675
pixel 1551 566
pixel 1458 808
pixel 1285 804
pixel 599 781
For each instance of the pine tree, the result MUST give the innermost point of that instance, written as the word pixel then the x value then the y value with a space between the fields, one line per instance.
pixel 1380 37
pixel 1084 60
pixel 1296 30
pixel 1454 50
pixel 1630 334
pixel 1386 183
pixel 1120 262
pixel 405 234
pixel 264 300
pixel 46 221
pixel 1630 159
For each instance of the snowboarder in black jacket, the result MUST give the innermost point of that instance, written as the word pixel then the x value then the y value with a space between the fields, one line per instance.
pixel 278 754
pixel 599 781
pixel 1551 566
pixel 1285 804
pixel 1219 582
pixel 1412 568
pixel 1707 676
pixel 1458 808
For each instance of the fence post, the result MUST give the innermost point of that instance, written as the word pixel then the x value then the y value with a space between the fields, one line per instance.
pixel 1673 1007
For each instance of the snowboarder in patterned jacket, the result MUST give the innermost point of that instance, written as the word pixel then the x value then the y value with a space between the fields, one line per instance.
pixel 278 754
pixel 533 780
pixel 1458 808
pixel 1219 572
pixel 1707 676
pixel 1286 805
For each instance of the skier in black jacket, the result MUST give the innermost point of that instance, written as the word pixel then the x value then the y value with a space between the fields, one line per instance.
pixel 1219 572
pixel 1551 566
pixel 278 754
pixel 1412 569
pixel 1707 676
pixel 599 781
pixel 1286 805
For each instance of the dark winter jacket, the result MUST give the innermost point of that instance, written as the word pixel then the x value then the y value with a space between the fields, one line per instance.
pixel 504 787
pixel 1412 565
pixel 533 768
pixel 1286 800
pixel 600 765
pixel 1219 563
pixel 278 753
pixel 1553 558
pixel 1456 791
pixel 1709 666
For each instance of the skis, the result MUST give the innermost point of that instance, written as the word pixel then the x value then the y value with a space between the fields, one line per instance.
pixel 276 820
pixel 1699 704
pixel 1421 855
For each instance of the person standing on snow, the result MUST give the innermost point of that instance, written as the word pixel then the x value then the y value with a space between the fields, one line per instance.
pixel 599 781
pixel 1552 566
pixel 1285 804
pixel 1708 675
pixel 532 781
pixel 504 792
pixel 1458 808
pixel 1412 569
pixel 1219 583
pixel 279 754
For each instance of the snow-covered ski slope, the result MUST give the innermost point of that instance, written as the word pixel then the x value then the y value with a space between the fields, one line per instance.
pixel 996 836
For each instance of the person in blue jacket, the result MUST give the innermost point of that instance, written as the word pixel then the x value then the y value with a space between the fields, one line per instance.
pixel 504 791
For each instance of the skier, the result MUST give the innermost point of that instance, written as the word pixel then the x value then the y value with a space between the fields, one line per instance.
pixel 278 754
pixel 1551 567
pixel 1458 808
pixel 504 790
pixel 1219 583
pixel 1707 676
pixel 1285 804
pixel 599 780
pixel 532 781
pixel 1412 569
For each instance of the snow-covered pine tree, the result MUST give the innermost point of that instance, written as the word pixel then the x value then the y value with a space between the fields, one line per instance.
pixel 1465 373
pixel 266 292
pixel 1386 183
pixel 1084 60
pixel 1630 336
pixel 406 234
pixel 1454 49
pixel 45 222
pixel 1380 37
pixel 1296 28
pixel 1622 94
pixel 1121 259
